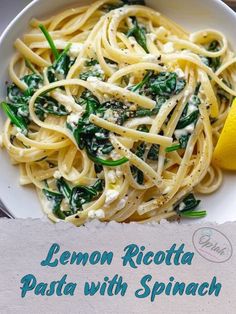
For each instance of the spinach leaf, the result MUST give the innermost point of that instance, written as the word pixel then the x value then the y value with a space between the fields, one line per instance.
pixel 213 63
pixel 56 200
pixel 77 196
pixel 17 96
pixel 172 148
pixel 190 204
pixel 185 121
pixel 50 41
pixel 91 62
pixel 81 195
pixel 116 110
pixel 137 173
pixel 63 188
pixel 30 66
pixel 133 2
pixel 34 82
pixel 139 34
pixel 183 141
pixel 18 121
pixel 91 137
pixel 143 82
pixel 153 153
pixel 61 66
pixel 47 105
pixel 167 84
pixel 17 108
pixel 147 112
pixel 91 73
pixel 94 71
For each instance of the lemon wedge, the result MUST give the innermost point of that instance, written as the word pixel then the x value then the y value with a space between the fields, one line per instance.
pixel 224 155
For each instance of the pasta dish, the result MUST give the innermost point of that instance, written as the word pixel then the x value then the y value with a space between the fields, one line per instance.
pixel 114 111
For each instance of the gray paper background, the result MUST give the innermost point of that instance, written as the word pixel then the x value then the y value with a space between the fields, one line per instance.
pixel 25 243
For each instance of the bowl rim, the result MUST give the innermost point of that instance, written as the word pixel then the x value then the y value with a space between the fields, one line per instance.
pixel 31 4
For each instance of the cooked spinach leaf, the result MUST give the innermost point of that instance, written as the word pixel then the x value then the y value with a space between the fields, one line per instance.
pixel 30 66
pixel 139 34
pixel 91 62
pixel 47 105
pixel 145 80
pixel 91 137
pixel 18 121
pixel 61 66
pixel 147 112
pixel 190 204
pixel 153 153
pixel 213 63
pixel 137 173
pixel 56 199
pixel 81 195
pixel 50 41
pixel 63 188
pixel 133 2
pixel 183 141
pixel 17 101
pixel 91 73
pixel 187 119
pixel 76 197
pixel 167 84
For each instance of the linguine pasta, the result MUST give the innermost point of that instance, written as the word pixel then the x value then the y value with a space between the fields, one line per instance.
pixel 114 113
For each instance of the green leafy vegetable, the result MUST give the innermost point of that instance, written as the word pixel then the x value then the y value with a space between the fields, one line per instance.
pixel 190 205
pixel 61 66
pixel 185 121
pixel 63 188
pixel 147 112
pixel 167 84
pixel 50 41
pixel 143 82
pixel 76 197
pixel 172 148
pixel 108 163
pixel 17 101
pixel 93 139
pixel 213 63
pixel 30 66
pixel 94 70
pixel 48 105
pixel 91 73
pixel 81 195
pixel 91 62
pixel 12 115
pixel 183 141
pixel 56 199
pixel 137 173
pixel 139 34
pixel 133 2
pixel 153 153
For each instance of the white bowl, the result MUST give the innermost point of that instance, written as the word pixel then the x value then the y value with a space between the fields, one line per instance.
pixel 194 15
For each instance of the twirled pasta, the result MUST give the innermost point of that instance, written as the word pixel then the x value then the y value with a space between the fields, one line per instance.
pixel 130 58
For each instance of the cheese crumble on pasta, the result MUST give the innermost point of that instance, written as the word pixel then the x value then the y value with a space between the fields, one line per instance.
pixel 114 111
